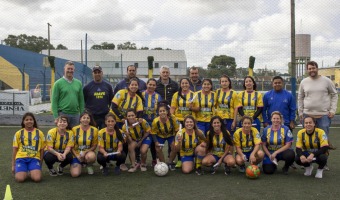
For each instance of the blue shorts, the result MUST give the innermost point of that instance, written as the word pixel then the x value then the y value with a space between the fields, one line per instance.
pixel 147 141
pixel 267 160
pixel 188 158
pixel 27 164
pixel 76 161
pixel 204 127
pixel 216 158
pixel 227 124
pixel 162 140
pixel 247 154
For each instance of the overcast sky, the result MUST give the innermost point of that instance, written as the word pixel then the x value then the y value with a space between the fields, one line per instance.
pixel 203 28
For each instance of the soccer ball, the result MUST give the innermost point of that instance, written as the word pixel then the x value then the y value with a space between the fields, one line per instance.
pixel 161 169
pixel 253 171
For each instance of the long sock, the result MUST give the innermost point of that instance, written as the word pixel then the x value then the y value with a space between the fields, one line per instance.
pixel 199 161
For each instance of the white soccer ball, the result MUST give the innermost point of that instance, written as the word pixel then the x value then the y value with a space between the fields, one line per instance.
pixel 161 169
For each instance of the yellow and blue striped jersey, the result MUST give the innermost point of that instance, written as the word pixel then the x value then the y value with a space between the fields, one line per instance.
pixel 226 103
pixel 107 141
pixel 207 104
pixel 59 142
pixel 311 143
pixel 165 130
pixel 189 142
pixel 247 142
pixel 84 140
pixel 182 106
pixel 138 131
pixel 276 139
pixel 150 105
pixel 29 143
pixel 124 101
pixel 250 102
pixel 218 144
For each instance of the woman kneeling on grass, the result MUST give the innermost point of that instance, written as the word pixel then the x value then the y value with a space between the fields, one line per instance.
pixel 138 139
pixel 276 143
pixel 311 146
pixel 219 146
pixel 190 142
pixel 28 150
pixel 110 142
pixel 247 141
pixel 85 143
pixel 59 142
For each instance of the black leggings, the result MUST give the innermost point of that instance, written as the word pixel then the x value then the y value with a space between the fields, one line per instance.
pixel 50 159
pixel 288 156
pixel 119 158
pixel 321 160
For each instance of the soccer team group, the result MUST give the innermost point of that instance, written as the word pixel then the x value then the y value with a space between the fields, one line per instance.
pixel 200 125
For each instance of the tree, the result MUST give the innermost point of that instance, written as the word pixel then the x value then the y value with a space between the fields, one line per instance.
pixel 337 63
pixel 103 45
pixel 224 62
pixel 60 46
pixel 30 43
pixel 127 45
pixel 144 48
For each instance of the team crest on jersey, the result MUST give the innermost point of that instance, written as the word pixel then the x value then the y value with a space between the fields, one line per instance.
pixel 66 141
pixel 254 98
pixel 223 141
pixel 289 134
pixel 90 137
pixel 99 138
pixel 117 95
pixel 116 140
pixel 196 140
pixel 98 90
pixel 36 138
pixel 49 137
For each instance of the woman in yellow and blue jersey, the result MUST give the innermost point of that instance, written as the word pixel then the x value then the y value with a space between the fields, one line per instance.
pixel 110 140
pixel 311 146
pixel 277 141
pixel 150 109
pixel 250 102
pixel 226 104
pixel 125 99
pixel 219 146
pixel 28 150
pixel 248 143
pixel 183 102
pixel 164 128
pixel 85 143
pixel 207 100
pixel 191 143
pixel 137 133
pixel 59 142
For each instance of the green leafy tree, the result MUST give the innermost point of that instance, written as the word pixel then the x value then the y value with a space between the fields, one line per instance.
pixel 224 62
pixel 127 45
pixel 60 46
pixel 30 43
pixel 144 48
pixel 103 45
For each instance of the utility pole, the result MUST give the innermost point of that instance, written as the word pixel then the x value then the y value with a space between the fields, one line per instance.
pixel 292 49
pixel 49 39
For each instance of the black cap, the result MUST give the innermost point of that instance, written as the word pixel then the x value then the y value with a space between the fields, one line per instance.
pixel 97 67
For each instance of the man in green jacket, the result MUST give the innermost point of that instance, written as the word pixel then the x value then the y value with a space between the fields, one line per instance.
pixel 67 96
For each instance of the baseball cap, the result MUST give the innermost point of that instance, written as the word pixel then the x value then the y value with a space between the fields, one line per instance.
pixel 97 67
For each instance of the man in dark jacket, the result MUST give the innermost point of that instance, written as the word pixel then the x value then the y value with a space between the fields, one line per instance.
pixel 165 86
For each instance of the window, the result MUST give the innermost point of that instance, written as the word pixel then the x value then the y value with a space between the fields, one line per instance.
pixel 116 65
pixel 175 65
pixel 136 65
pixel 156 65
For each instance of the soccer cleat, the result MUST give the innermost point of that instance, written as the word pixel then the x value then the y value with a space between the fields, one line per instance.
pixel 60 170
pixel 319 173
pixel 242 169
pixel 227 170
pixel 117 170
pixel 178 164
pixel 52 172
pixel 213 170
pixel 154 162
pixel 199 171
pixel 285 170
pixel 123 167
pixel 133 168
pixel 90 170
pixel 143 168
pixel 172 166
pixel 308 170
pixel 105 171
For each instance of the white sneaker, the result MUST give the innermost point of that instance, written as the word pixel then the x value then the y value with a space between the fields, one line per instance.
pixel 326 168
pixel 319 173
pixel 123 167
pixel 308 170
